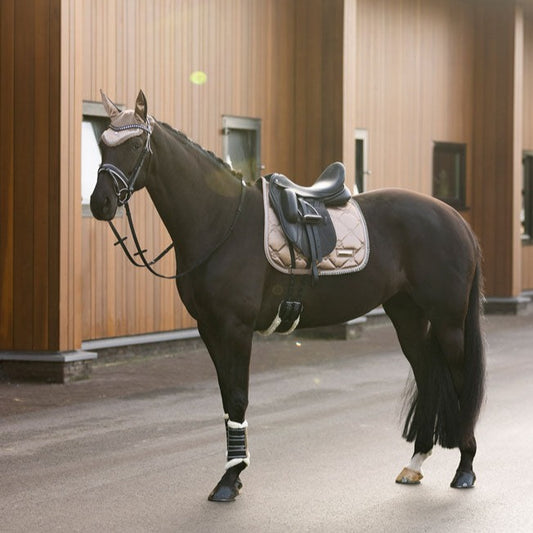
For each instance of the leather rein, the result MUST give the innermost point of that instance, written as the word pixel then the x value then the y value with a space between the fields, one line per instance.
pixel 125 186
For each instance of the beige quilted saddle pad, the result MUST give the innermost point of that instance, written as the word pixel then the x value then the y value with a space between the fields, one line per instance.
pixel 350 254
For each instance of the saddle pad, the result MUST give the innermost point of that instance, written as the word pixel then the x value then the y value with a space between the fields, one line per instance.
pixel 350 254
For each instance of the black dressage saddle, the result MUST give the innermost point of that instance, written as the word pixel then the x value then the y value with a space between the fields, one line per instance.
pixel 303 214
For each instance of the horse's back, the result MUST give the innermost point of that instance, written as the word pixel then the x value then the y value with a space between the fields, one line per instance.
pixel 417 222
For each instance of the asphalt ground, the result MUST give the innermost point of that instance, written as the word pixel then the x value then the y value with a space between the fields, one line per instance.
pixel 139 446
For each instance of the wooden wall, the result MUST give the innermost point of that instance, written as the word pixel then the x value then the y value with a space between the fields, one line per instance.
pixel 450 70
pixel 527 249
pixel 414 86
pixel 497 167
pixel 39 220
pixel 246 49
pixel 313 71
pixel 318 78
pixel 408 71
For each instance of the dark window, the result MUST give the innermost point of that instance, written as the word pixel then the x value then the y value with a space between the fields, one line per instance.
pixel 449 173
pixel 360 165
pixel 526 213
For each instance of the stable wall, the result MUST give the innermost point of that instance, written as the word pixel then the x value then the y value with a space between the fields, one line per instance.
pixel 313 71
pixel 40 98
pixel 277 60
pixel 246 49
pixel 527 249
pixel 414 86
pixel 453 71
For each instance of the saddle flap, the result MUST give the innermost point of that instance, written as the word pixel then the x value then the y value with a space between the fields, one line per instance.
pixel 305 222
pixel 289 204
pixel 319 228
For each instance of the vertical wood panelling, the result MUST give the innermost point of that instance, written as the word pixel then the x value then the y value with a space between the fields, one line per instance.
pixel 7 124
pixel 411 72
pixel 41 218
pixel 313 71
pixel 516 178
pixel 68 150
pixel 496 159
pixel 349 89
pixel 246 49
pixel 527 249
pixel 414 85
pixel 528 81
pixel 307 73
pixel 24 76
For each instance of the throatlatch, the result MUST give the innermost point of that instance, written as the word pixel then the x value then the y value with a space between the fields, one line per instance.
pixel 237 443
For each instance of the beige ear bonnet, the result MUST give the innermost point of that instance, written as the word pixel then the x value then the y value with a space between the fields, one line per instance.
pixel 115 134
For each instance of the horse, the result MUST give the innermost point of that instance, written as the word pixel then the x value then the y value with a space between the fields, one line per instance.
pixel 424 268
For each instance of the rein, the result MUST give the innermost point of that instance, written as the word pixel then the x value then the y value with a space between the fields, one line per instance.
pixel 124 188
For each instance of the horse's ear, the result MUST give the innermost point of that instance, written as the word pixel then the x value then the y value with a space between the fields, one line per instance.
pixel 111 108
pixel 141 107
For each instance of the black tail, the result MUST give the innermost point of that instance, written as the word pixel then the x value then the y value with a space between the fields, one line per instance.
pixel 474 379
pixel 434 411
pixel 433 407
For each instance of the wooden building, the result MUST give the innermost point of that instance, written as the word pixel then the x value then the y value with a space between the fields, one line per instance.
pixel 430 95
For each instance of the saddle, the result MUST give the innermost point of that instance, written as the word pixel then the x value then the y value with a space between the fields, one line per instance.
pixel 303 214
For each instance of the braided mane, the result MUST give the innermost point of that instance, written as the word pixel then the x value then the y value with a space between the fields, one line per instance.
pixel 185 140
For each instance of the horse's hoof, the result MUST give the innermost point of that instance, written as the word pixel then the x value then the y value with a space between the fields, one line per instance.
pixel 409 477
pixel 225 493
pixel 463 480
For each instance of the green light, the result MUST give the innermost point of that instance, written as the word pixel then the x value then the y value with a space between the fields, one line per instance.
pixel 198 77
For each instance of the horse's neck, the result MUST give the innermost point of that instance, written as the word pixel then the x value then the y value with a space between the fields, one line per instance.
pixel 195 197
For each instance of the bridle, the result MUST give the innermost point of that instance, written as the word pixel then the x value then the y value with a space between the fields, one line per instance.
pixel 124 187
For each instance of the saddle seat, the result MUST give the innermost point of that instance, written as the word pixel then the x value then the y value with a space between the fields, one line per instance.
pixel 329 188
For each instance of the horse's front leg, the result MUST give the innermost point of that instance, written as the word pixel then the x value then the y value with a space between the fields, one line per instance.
pixel 229 343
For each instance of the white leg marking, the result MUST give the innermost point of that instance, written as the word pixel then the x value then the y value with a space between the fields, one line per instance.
pixel 417 460
pixel 412 473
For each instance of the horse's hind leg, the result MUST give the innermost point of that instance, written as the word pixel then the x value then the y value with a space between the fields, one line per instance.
pixel 451 340
pixel 412 329
pixel 229 343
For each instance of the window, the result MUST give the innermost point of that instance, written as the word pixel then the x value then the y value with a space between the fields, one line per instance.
pixel 449 173
pixel 526 213
pixel 241 145
pixel 94 122
pixel 361 158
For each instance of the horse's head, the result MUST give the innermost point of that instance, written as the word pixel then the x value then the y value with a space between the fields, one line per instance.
pixel 125 148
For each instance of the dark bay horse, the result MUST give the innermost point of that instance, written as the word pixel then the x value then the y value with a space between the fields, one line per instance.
pixel 424 268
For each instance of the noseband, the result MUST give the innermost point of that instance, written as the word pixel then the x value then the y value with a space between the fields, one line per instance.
pixel 123 185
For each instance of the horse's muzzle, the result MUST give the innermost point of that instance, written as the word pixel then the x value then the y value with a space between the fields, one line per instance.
pixel 103 205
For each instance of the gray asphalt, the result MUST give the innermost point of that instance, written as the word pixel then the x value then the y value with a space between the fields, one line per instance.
pixel 325 447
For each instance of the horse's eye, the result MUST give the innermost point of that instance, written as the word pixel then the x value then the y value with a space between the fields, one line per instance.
pixel 135 145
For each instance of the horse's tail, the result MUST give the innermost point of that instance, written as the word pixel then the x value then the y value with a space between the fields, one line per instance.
pixel 435 413
pixel 473 393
